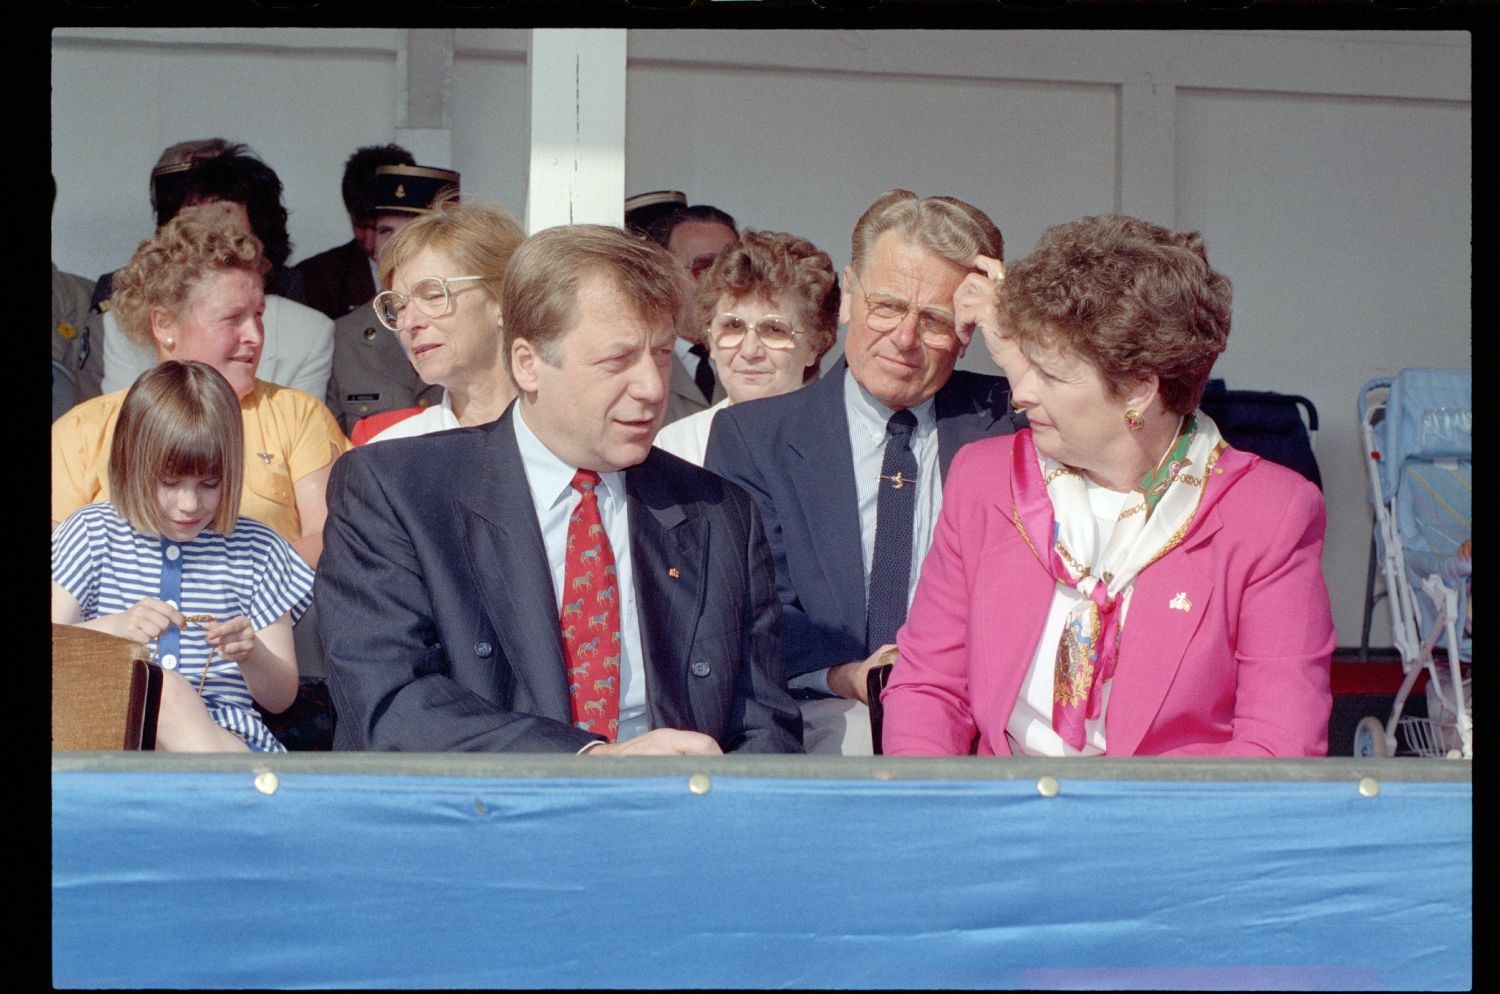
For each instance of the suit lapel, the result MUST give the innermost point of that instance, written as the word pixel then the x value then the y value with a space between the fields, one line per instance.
pixel 821 470
pixel 963 417
pixel 684 387
pixel 1158 628
pixel 669 563
pixel 505 553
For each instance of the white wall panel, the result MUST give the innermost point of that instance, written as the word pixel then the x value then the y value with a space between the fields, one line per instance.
pixel 490 146
pixel 116 106
pixel 1344 224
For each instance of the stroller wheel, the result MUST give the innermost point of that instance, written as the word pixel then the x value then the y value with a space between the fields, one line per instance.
pixel 1369 738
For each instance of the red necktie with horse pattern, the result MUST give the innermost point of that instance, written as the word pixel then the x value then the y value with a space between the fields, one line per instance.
pixel 591 616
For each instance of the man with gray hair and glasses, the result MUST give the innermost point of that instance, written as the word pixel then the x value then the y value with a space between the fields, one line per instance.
pixel 848 471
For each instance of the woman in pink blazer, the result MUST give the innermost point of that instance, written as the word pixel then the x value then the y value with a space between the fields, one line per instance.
pixel 1115 579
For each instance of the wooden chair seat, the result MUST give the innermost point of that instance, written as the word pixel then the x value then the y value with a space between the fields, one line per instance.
pixel 105 692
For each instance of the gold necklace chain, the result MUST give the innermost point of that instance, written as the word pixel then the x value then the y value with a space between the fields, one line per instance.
pixel 1170 445
pixel 195 619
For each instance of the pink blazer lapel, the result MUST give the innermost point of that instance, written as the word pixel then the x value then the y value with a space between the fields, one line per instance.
pixel 1172 597
pixel 1009 605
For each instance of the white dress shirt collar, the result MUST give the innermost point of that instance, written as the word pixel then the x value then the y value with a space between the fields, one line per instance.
pixel 871 415
pixel 550 478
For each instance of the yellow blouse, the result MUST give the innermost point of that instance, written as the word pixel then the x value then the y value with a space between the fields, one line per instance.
pixel 288 434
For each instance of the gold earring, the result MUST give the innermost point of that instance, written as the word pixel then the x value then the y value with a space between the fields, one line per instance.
pixel 1133 419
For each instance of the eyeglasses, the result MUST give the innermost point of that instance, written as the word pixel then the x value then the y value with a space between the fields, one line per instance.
pixel 885 314
pixel 431 295
pixel 775 332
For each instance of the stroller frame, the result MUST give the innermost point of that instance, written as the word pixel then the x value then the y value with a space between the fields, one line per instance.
pixel 1442 582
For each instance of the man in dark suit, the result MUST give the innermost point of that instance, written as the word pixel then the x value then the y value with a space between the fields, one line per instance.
pixel 867 446
pixel 342 278
pixel 549 581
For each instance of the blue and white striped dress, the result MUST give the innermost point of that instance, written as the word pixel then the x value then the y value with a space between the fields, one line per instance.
pixel 108 567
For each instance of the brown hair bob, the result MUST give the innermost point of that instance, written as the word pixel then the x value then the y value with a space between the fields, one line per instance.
pixel 178 419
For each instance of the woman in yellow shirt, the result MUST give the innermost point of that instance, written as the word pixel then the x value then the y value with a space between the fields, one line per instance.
pixel 195 291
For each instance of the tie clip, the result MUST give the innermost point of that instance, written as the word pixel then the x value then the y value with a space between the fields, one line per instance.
pixel 898 481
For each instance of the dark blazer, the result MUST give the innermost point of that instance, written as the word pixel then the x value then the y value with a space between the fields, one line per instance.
pixel 338 280
pixel 792 453
pixel 370 372
pixel 440 624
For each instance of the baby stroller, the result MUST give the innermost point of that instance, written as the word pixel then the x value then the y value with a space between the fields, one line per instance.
pixel 1418 433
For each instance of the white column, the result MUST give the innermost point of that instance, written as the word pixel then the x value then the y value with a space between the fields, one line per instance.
pixel 577 82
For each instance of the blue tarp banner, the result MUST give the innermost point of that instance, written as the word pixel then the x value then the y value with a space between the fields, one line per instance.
pixel 200 879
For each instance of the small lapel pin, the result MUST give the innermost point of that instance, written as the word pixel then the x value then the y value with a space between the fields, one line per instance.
pixel 672 572
pixel 265 457
pixel 1180 602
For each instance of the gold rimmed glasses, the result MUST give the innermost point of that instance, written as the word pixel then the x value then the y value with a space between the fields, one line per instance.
pixel 884 313
pixel 774 331
pixel 430 295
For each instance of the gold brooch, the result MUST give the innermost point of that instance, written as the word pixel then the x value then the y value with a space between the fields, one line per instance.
pixel 1180 602
pixel 67 331
pixel 672 572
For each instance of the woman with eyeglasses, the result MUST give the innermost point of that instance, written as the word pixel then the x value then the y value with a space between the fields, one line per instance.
pixel 768 310
pixel 194 291
pixel 443 271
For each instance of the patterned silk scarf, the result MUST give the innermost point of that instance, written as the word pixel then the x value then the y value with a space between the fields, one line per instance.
pixel 1051 502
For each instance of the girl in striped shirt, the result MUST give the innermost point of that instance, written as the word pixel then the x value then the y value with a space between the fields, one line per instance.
pixel 168 561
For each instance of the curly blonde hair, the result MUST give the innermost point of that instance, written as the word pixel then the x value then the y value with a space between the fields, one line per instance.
pixel 167 266
pixel 764 264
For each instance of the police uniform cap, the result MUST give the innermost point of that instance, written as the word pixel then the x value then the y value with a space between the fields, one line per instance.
pixel 410 189
pixel 643 208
